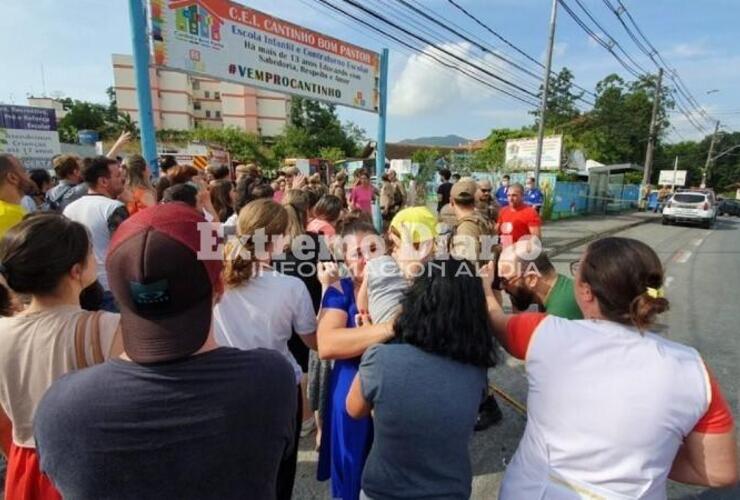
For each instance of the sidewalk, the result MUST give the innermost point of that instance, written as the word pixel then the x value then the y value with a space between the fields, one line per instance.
pixel 562 235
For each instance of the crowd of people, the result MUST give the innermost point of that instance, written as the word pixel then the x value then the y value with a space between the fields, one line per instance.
pixel 142 357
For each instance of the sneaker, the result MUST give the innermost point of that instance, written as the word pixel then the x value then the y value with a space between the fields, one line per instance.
pixel 488 414
pixel 308 426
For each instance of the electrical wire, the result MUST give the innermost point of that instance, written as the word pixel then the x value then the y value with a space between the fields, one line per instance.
pixel 508 43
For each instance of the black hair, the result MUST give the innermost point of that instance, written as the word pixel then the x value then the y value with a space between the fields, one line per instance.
pixel 166 163
pixel 39 176
pixel 181 192
pixel 37 252
pixel 445 174
pixel 246 188
pixel 97 169
pixel 220 172
pixel 328 208
pixel 444 312
pixel 221 198
pixel 506 176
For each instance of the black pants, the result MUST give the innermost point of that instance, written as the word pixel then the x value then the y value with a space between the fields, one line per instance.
pixel 286 472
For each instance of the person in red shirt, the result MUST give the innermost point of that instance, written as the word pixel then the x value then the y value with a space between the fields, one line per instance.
pixel 517 219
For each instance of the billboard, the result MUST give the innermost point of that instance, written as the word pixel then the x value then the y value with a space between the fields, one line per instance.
pixel 29 134
pixel 228 41
pixel 667 178
pixel 521 153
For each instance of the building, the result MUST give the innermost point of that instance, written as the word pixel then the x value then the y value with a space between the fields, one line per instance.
pixel 48 102
pixel 182 102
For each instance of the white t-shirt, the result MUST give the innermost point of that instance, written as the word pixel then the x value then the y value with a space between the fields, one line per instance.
pixel 607 409
pixel 94 212
pixel 264 312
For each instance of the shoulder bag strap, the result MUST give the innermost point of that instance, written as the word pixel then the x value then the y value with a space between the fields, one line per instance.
pixel 80 356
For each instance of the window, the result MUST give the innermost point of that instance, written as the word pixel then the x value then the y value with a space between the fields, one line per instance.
pixel 217 95
pixel 208 113
pixel 207 94
pixel 689 198
pixel 196 106
pixel 218 114
pixel 196 85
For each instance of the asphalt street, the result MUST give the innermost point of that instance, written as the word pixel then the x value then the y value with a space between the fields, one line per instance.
pixel 702 284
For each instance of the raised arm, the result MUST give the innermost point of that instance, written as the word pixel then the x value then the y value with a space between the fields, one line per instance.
pixel 336 341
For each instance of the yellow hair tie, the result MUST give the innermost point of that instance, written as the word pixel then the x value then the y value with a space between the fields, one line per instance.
pixel 656 293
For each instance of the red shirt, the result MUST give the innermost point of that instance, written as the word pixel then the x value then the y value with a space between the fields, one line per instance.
pixel 513 224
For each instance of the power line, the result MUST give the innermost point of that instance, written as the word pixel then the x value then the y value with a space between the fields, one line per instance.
pixel 426 53
pixel 510 44
pixel 437 37
pixel 612 41
pixel 481 47
pixel 598 39
pixel 653 53
pixel 438 48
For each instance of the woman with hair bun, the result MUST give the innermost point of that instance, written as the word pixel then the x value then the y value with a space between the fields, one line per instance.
pixel 614 410
pixel 49 258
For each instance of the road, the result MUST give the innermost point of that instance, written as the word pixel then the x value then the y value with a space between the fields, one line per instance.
pixel 702 284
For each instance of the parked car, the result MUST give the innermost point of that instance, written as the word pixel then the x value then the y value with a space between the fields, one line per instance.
pixel 729 207
pixel 697 207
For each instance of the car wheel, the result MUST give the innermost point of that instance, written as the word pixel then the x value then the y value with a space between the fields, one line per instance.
pixel 665 221
pixel 707 224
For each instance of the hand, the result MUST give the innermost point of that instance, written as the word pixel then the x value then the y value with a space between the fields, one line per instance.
pixel 299 182
pixel 487 274
pixel 328 273
pixel 124 138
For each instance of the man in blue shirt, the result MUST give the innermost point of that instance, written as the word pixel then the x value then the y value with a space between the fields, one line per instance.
pixel 533 196
pixel 502 192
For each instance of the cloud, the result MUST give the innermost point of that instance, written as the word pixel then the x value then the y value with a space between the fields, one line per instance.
pixel 424 86
pixel 690 50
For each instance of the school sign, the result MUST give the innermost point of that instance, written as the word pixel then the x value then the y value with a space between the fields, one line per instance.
pixel 231 42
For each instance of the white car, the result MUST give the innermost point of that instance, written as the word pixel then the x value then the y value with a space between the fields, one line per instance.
pixel 698 207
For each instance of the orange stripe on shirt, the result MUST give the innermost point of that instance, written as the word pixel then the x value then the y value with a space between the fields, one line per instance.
pixel 520 330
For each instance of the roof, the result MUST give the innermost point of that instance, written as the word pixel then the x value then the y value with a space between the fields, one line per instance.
pixel 612 169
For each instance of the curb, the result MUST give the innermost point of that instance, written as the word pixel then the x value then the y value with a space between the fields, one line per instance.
pixel 587 239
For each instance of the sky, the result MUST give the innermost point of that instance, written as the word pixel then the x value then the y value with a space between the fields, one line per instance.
pixel 72 40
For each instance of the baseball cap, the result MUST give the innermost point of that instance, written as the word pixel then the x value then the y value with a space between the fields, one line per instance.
pixel 465 187
pixel 165 293
pixel 419 222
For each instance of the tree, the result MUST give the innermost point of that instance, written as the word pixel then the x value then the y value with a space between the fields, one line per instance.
pixel 331 154
pixel 561 101
pixel 314 125
pixel 244 147
pixel 81 115
pixel 616 130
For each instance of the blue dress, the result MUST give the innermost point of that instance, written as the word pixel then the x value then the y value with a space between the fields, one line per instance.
pixel 345 442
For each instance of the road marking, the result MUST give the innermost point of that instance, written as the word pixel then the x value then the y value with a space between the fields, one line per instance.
pixel 698 242
pixel 682 256
pixel 668 281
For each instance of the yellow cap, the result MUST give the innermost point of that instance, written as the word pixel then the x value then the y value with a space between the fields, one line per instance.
pixel 419 222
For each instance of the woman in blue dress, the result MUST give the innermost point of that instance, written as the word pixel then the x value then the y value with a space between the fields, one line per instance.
pixel 345 442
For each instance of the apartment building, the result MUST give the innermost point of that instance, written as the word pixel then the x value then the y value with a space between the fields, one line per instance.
pixel 183 102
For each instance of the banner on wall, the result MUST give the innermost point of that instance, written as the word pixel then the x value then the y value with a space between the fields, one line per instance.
pixel 228 41
pixel 30 134
pixel 522 153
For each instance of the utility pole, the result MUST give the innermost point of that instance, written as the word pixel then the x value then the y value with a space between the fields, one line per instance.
pixel 709 156
pixel 651 137
pixel 545 89
pixel 675 173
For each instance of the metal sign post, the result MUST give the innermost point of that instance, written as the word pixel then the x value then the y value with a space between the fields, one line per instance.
pixel 380 145
pixel 140 43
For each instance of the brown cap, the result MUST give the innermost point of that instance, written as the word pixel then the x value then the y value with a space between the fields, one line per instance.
pixel 165 292
pixel 464 189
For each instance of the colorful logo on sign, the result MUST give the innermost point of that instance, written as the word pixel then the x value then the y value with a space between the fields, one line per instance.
pixel 196 20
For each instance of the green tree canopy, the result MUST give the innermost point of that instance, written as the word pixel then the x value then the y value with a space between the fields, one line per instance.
pixel 314 125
